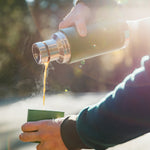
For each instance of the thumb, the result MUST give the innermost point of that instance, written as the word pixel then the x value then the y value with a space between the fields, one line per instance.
pixel 81 28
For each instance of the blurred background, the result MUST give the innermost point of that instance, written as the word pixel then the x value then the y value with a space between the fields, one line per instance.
pixel 23 22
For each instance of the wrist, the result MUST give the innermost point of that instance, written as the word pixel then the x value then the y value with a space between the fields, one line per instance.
pixel 75 2
pixel 96 3
pixel 69 134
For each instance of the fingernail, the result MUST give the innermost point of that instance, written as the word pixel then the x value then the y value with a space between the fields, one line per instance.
pixel 20 136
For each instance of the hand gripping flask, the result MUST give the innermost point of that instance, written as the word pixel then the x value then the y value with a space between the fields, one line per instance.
pixel 66 46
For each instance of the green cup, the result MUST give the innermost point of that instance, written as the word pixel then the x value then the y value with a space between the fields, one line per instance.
pixel 36 115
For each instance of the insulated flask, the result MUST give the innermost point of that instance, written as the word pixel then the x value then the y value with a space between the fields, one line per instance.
pixel 66 46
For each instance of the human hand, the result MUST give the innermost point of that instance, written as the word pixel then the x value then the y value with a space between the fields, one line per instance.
pixel 78 17
pixel 47 132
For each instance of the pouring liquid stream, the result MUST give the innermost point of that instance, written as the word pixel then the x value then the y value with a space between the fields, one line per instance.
pixel 44 81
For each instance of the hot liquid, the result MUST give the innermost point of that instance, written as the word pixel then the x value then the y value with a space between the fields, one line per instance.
pixel 44 81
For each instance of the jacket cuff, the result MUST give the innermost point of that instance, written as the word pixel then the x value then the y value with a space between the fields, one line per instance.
pixel 69 134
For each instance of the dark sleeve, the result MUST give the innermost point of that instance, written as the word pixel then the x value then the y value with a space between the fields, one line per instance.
pixel 97 3
pixel 122 115
pixel 69 134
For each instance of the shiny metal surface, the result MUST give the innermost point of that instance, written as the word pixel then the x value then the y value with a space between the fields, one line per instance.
pixel 40 52
pixel 55 49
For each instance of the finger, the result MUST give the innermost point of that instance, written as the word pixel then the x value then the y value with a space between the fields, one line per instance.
pixel 68 21
pixel 29 137
pixel 81 28
pixel 30 126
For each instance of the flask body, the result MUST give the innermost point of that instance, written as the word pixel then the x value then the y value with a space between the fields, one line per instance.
pixel 101 38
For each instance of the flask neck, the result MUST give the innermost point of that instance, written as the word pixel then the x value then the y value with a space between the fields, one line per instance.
pixel 55 49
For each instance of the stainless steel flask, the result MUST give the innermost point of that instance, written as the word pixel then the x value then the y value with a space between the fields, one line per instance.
pixel 66 46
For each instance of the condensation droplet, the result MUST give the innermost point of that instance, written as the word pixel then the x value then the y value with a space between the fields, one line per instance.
pixel 83 62
pixel 66 90
pixel 94 45
pixel 80 66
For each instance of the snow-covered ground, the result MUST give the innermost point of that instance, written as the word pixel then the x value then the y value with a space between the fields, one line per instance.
pixel 14 113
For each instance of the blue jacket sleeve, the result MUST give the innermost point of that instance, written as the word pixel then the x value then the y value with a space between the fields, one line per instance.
pixel 123 114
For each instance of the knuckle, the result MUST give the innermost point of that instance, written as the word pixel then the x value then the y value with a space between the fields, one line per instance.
pixel 42 135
